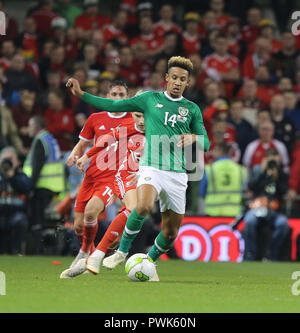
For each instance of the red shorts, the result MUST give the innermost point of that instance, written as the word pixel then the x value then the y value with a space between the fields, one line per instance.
pixel 121 184
pixel 102 188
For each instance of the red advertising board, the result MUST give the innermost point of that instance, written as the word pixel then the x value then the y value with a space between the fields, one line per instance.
pixel 212 239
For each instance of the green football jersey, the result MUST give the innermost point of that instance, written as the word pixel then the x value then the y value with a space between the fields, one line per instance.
pixel 165 119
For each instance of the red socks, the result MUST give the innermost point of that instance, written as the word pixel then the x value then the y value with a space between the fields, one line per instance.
pixel 89 234
pixel 114 231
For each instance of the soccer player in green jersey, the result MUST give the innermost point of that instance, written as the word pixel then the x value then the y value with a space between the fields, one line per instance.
pixel 162 172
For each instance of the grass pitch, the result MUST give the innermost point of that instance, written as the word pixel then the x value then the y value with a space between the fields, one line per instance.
pixel 33 285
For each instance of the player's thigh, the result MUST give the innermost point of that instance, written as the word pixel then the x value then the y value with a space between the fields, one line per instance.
pixel 146 197
pixel 130 199
pixel 78 221
pixel 171 222
pixel 93 208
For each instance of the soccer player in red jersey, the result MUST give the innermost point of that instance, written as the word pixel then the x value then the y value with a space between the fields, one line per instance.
pixel 97 189
pixel 129 138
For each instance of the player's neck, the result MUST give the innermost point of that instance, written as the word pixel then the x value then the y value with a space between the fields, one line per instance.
pixel 172 97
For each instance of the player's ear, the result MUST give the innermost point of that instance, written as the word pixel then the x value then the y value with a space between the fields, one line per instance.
pixel 167 77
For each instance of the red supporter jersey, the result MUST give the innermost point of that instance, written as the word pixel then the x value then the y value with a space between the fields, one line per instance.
pixel 191 45
pixel 160 29
pixel 110 32
pixel 87 22
pixel 97 125
pixel 152 41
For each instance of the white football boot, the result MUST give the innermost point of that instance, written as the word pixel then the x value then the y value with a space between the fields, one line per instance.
pixel 93 262
pixel 76 270
pixel 114 260
pixel 80 255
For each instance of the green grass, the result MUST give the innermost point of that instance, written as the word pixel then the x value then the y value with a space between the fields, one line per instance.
pixel 33 285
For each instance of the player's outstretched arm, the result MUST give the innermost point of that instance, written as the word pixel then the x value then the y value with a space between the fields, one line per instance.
pixel 134 104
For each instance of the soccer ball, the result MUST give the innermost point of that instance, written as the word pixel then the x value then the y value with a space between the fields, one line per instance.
pixel 139 268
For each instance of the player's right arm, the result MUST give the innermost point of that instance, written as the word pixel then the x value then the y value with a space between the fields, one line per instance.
pixel 77 152
pixel 133 104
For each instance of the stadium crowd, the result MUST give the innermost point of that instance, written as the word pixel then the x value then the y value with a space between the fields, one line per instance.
pixel 246 82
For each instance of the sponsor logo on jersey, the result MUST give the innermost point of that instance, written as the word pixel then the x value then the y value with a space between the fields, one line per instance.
pixel 102 127
pixel 183 111
pixel 159 105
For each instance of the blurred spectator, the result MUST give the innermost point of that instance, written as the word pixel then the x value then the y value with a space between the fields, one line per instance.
pixel 98 41
pixel 244 131
pixel 285 57
pixel 284 84
pixel 251 30
pixel 208 23
pixel 207 44
pixel 222 184
pixel 53 83
pixel 141 59
pixel 14 186
pixel 8 130
pixel 8 50
pixel 260 56
pixel 268 184
pixel 292 110
pixel 154 83
pixel 171 45
pixel 154 43
pixel 221 66
pixel 12 26
pixel 60 121
pixel 22 112
pixel 105 80
pixel 115 30
pixel 29 40
pixel 43 17
pixel 43 165
pixel 190 37
pixel 217 6
pixel 128 70
pixel 285 129
pixel 236 45
pixel 199 72
pixel 267 30
pixel 256 150
pixel 90 20
pixel 67 10
pixel 222 132
pixel 18 77
pixel 91 61
pixel 165 23
pixel 211 92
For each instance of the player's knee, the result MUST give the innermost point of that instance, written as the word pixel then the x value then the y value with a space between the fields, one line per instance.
pixel 144 209
pixel 170 233
pixel 90 216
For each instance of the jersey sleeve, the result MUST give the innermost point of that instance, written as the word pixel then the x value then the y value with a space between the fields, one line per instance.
pixel 198 128
pixel 133 104
pixel 87 133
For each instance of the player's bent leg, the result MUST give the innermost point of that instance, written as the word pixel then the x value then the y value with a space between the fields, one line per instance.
pixel 146 196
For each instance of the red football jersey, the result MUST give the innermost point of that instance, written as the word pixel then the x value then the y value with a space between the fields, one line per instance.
pixel 126 142
pixel 191 45
pixel 97 125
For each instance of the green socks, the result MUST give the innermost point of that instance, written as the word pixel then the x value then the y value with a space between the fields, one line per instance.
pixel 161 246
pixel 133 226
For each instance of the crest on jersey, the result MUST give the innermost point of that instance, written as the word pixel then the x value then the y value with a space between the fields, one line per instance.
pixel 183 111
